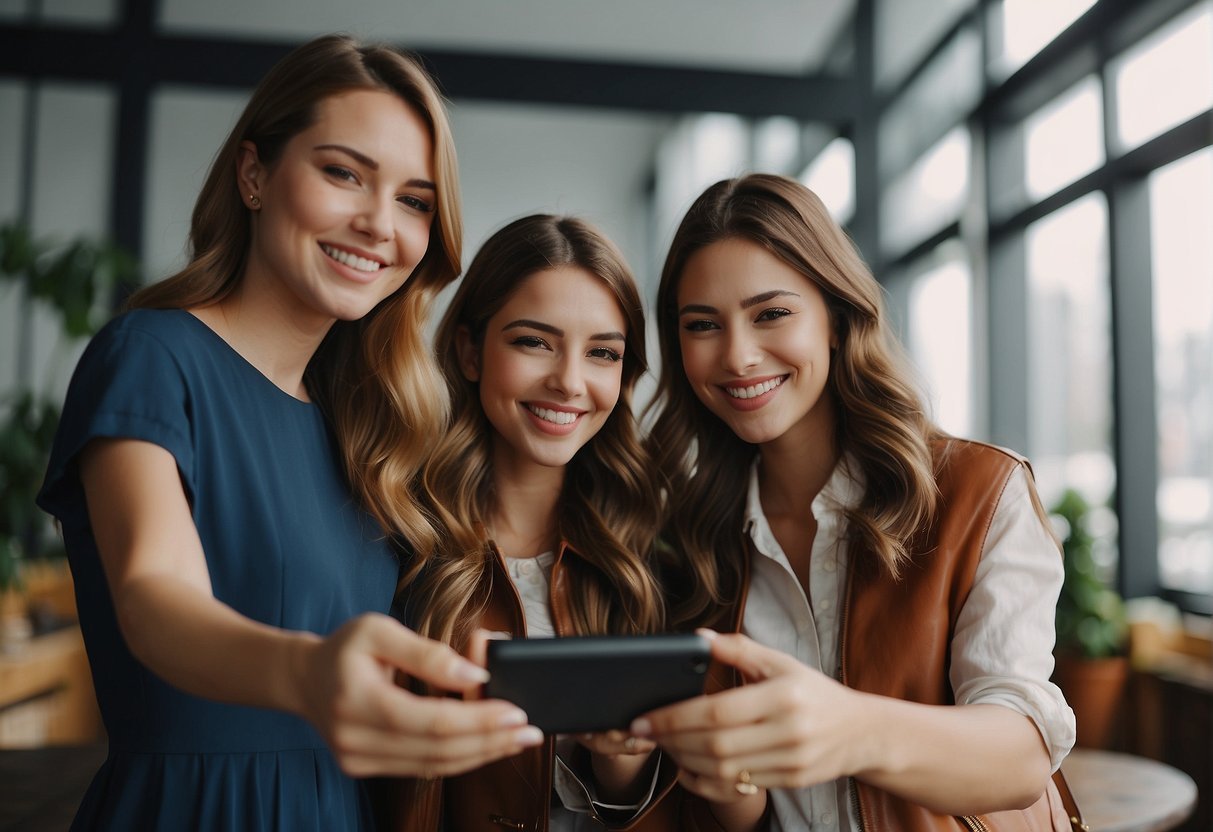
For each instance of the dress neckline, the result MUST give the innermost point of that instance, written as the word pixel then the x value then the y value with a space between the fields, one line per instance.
pixel 205 327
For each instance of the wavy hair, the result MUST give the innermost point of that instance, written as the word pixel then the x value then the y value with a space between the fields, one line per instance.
pixel 608 503
pixel 375 378
pixel 880 422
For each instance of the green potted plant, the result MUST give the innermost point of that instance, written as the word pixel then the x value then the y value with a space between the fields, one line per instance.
pixel 76 280
pixel 1092 629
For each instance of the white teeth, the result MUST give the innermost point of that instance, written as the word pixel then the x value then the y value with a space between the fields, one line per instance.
pixel 558 417
pixel 754 389
pixel 352 260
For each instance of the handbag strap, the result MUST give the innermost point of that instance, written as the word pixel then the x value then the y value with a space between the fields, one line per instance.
pixel 1069 803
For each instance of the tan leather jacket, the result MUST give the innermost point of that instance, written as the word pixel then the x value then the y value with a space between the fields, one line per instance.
pixel 895 635
pixel 516 793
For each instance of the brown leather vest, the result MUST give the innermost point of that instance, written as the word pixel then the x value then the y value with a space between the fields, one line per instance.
pixel 895 635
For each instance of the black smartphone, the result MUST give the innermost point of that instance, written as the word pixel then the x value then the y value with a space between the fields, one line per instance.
pixel 581 684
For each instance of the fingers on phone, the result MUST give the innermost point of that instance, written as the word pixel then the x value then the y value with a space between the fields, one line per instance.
pixel 429 660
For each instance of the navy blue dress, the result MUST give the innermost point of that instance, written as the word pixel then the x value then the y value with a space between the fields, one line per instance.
pixel 286 544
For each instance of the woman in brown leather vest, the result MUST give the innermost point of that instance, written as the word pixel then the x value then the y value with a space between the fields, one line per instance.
pixel 893 586
pixel 545 492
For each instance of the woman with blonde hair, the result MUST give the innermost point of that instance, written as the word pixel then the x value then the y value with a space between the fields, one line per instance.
pixel 545 492
pixel 232 450
pixel 893 587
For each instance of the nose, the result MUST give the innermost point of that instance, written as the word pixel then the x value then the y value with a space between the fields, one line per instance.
pixel 375 218
pixel 741 352
pixel 567 377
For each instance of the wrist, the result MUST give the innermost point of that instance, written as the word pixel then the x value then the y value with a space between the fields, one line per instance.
pixel 874 732
pixel 300 654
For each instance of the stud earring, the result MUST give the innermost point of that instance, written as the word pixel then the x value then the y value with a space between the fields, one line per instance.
pixel 254 201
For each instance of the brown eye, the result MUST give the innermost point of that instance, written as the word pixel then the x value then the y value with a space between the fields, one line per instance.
pixel 773 314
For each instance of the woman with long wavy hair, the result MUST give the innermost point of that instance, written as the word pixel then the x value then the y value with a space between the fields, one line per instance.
pixel 544 492
pixel 232 469
pixel 893 587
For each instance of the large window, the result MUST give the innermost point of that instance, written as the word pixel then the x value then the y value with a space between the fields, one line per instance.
pixel 939 337
pixel 832 177
pixel 1064 140
pixel 1024 27
pixel 1181 244
pixel 1070 352
pixel 927 197
pixel 1166 79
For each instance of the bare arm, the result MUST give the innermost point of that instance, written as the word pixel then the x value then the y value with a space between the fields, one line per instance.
pixel 794 727
pixel 343 684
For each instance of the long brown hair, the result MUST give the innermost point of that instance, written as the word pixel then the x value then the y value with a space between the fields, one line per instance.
pixel 608 509
pixel 880 422
pixel 375 377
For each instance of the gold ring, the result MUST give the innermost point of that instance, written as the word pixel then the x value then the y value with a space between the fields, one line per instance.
pixel 743 784
pixel 629 745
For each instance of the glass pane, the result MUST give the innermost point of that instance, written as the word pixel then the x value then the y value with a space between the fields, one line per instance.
pixel 928 196
pixel 696 152
pixel 832 177
pixel 944 94
pixel 906 30
pixel 85 12
pixel 1181 242
pixel 1064 139
pixel 12 144
pixel 777 144
pixel 1166 79
pixel 940 341
pixel 1070 362
pixel 1027 26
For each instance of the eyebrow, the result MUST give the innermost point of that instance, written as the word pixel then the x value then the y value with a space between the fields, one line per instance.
pixel 363 159
pixel 526 323
pixel 746 303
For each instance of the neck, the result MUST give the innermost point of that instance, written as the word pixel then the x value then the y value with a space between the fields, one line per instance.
pixel 266 335
pixel 796 466
pixel 523 519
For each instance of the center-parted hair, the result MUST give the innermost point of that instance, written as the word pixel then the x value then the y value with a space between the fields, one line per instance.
pixel 375 378
pixel 880 422
pixel 608 506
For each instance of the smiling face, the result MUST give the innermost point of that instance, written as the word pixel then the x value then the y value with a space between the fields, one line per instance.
pixel 343 216
pixel 549 367
pixel 755 337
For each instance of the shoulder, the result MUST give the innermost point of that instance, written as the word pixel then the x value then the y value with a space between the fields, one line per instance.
pixel 966 465
pixel 140 330
pixel 169 328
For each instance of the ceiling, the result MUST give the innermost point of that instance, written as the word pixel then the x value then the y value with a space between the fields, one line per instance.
pixel 772 36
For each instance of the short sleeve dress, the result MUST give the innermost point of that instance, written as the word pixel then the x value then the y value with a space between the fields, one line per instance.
pixel 286 544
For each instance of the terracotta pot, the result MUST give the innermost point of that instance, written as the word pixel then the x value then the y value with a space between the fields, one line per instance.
pixel 1094 688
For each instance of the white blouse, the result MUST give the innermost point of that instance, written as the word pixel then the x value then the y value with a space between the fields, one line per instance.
pixel 1001 650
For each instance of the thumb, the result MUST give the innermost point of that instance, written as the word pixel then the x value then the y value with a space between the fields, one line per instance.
pixel 755 661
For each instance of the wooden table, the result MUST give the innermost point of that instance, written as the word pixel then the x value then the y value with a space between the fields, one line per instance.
pixel 49 673
pixel 1124 793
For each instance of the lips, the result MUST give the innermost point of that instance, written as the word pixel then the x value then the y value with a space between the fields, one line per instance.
pixel 553 421
pixel 755 390
pixel 558 417
pixel 352 260
pixel 753 394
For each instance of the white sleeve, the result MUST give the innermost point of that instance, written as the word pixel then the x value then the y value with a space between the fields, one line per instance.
pixel 1002 650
